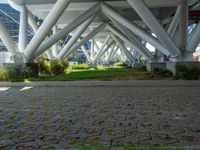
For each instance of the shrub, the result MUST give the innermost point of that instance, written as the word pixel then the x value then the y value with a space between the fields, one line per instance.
pixel 120 64
pixel 57 67
pixel 3 75
pixel 44 66
pixel 143 68
pixel 65 63
pixel 80 66
pixel 183 72
pixel 18 71
pixel 13 71
pixel 33 69
pixel 162 73
pixel 194 73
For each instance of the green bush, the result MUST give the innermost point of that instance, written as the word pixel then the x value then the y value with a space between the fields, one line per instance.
pixel 162 73
pixel 194 73
pixel 144 68
pixel 34 71
pixel 13 71
pixel 120 64
pixel 57 68
pixel 18 71
pixel 80 66
pixel 44 66
pixel 183 72
pixel 3 75
pixel 65 63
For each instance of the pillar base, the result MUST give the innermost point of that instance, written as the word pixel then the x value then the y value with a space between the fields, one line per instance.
pixel 93 65
pixel 137 65
pixel 19 59
pixel 171 66
pixel 152 65
pixel 186 57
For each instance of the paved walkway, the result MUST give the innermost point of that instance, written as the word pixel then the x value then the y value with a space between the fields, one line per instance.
pixel 65 114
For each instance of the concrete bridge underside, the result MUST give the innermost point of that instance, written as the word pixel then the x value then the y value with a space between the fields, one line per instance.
pixel 121 27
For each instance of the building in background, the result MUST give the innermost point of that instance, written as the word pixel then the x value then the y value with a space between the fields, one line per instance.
pixel 10 18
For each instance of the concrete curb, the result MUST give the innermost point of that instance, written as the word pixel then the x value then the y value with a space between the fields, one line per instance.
pixel 102 83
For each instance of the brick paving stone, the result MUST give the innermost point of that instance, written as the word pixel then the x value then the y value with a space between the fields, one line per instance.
pixel 72 140
pixel 25 145
pixel 111 113
pixel 6 144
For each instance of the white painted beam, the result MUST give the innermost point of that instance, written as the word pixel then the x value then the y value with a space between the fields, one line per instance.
pixel 67 29
pixel 115 51
pixel 75 37
pixel 123 48
pixel 85 39
pixel 7 40
pixel 112 49
pixel 96 45
pixel 102 47
pixel 32 22
pixel 135 29
pixel 183 26
pixel 143 11
pixel 35 28
pixel 175 22
pixel 105 50
pixel 46 26
pixel 86 53
pixel 55 46
pixel 92 49
pixel 23 27
pixel 136 44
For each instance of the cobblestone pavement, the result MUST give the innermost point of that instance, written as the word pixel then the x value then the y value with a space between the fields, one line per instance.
pixel 65 116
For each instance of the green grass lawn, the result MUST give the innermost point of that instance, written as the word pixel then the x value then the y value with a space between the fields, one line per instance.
pixel 101 73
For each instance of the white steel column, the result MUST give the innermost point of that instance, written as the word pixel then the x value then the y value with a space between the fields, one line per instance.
pixel 50 54
pixel 122 37
pixel 112 49
pixel 23 29
pixel 46 26
pixel 194 40
pixel 105 50
pixel 7 40
pixel 114 52
pixel 32 22
pixel 174 24
pixel 35 28
pixel 96 45
pixel 120 57
pixel 135 29
pixel 92 49
pixel 183 26
pixel 67 29
pixel 123 56
pixel 55 46
pixel 102 47
pixel 137 45
pixel 150 20
pixel 85 39
pixel 86 53
pixel 123 48
pixel 75 37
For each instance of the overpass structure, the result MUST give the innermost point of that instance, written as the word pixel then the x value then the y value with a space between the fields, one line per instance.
pixel 122 27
